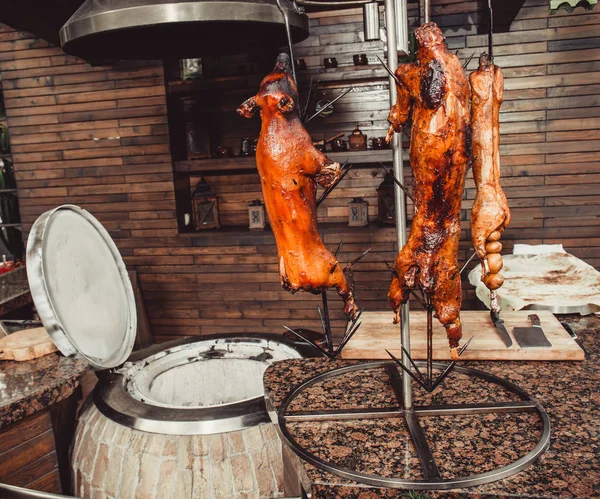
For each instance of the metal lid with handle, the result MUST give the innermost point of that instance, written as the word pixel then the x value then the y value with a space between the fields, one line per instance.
pixel 80 287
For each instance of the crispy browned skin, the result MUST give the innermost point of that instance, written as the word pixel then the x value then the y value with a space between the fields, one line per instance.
pixel 290 167
pixel 435 88
pixel 490 214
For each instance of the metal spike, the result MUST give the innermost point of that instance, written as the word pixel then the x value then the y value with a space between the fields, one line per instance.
pixel 413 363
pixel 397 182
pixel 323 325
pixel 308 98
pixel 356 260
pixel 347 338
pixel 329 104
pixel 418 298
pixel 314 345
pixel 467 262
pixel 390 72
pixel 406 369
pixel 466 64
pixel 345 168
pixel 392 269
pixel 450 366
pixel 339 247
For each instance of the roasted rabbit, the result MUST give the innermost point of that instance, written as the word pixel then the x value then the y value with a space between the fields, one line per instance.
pixel 290 167
pixel 436 90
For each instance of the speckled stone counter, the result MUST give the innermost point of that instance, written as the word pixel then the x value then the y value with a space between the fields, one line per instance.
pixel 461 445
pixel 30 386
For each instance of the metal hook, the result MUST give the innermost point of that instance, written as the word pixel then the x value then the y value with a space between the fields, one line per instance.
pixel 288 32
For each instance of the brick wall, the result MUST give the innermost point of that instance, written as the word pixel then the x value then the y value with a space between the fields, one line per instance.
pixel 97 137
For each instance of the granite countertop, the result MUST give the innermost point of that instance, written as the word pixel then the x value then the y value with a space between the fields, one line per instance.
pixel 30 386
pixel 461 445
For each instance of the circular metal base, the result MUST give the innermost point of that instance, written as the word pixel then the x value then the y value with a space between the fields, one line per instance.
pixel 432 480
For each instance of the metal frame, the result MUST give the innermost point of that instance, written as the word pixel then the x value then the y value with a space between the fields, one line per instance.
pixel 432 480
pixel 401 379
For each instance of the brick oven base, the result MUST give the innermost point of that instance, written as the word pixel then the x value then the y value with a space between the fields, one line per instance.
pixel 111 461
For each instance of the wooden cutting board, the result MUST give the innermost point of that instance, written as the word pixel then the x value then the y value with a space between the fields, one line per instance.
pixel 377 333
pixel 26 345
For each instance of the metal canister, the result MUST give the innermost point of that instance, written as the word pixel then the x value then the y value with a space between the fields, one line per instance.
pixel 245 147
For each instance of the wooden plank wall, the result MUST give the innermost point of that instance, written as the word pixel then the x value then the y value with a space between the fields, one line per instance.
pixel 28 455
pixel 64 117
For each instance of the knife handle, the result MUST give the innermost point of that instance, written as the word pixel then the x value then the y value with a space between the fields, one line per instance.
pixel 535 320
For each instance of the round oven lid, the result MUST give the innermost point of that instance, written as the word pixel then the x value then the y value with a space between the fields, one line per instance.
pixel 80 287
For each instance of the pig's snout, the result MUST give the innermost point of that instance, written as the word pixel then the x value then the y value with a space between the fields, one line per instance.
pixel 283 63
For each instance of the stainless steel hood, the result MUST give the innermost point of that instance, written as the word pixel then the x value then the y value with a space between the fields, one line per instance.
pixel 154 29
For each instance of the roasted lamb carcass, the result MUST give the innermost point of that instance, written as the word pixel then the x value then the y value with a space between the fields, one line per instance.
pixel 290 167
pixel 490 214
pixel 435 88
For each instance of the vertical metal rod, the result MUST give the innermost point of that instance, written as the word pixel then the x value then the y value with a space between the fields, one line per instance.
pixel 426 10
pixel 392 52
pixel 328 334
pixel 491 31
pixel 429 340
pixel 288 32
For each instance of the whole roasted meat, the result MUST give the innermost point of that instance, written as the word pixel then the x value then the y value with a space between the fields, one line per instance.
pixel 290 167
pixel 490 214
pixel 435 89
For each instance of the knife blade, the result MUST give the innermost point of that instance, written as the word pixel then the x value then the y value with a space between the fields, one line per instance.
pixel 501 328
pixel 532 337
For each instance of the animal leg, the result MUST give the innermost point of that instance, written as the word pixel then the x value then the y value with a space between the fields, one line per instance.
pixel 446 300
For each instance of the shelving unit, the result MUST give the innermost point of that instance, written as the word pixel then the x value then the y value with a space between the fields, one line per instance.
pixel 12 226
pixel 245 164
pixel 208 105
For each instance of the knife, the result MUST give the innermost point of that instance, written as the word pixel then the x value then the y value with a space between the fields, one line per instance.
pixel 532 337
pixel 501 328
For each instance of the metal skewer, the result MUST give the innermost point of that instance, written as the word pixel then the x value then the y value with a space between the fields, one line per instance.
pixel 329 104
pixel 397 182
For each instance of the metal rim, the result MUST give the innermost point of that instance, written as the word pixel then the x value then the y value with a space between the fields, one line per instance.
pixel 43 303
pixel 181 12
pixel 431 484
pixel 115 402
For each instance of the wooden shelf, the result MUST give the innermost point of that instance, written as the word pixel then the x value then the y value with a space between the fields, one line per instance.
pixel 219 165
pixel 372 73
pixel 218 83
pixel 239 232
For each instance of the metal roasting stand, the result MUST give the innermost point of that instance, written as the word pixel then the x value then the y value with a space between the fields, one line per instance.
pixel 402 372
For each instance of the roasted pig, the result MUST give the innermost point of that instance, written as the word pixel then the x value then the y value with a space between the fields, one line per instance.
pixel 436 90
pixel 290 167
pixel 490 214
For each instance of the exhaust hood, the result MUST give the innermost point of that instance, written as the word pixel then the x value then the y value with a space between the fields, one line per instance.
pixel 155 29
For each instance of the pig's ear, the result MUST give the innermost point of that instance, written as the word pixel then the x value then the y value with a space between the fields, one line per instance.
pixel 285 104
pixel 248 108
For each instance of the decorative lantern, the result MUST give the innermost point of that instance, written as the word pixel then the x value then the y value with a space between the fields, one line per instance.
pixel 206 207
pixel 191 68
pixel 386 201
pixel 256 215
pixel 357 140
pixel 358 213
